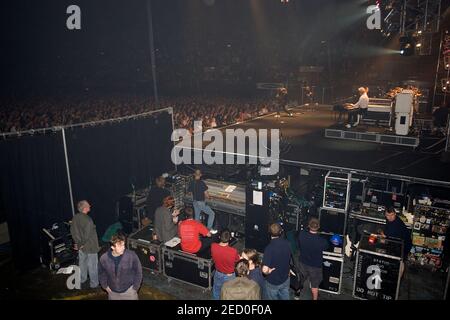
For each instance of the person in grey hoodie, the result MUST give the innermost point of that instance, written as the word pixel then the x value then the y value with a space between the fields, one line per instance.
pixel 85 237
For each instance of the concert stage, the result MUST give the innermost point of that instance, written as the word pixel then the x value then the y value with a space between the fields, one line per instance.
pixel 304 144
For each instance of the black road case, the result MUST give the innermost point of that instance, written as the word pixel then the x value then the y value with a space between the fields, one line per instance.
pixel 57 246
pixel 332 273
pixel 333 264
pixel 332 221
pixel 377 270
pixel 189 268
pixel 147 250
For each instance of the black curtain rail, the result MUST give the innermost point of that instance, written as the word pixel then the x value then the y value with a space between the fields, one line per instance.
pixel 6 135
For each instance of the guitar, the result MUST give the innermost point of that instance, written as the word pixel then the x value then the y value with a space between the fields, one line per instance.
pixel 350 247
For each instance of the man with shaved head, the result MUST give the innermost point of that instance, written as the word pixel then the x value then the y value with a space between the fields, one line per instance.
pixel 84 234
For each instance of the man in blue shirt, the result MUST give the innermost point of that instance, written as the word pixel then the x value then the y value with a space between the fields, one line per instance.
pixel 276 265
pixel 311 246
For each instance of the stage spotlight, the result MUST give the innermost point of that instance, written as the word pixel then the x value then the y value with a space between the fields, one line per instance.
pixel 406 46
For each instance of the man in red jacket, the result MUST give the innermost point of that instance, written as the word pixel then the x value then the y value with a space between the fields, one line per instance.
pixel 190 231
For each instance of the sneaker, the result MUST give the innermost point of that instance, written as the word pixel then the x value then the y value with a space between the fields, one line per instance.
pixel 213 231
pixel 296 296
pixel 348 126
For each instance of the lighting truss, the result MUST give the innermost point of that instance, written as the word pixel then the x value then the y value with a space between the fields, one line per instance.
pixel 410 16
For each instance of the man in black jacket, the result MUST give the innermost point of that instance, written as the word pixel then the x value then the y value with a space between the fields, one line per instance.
pixel 396 228
pixel 155 197
pixel 120 271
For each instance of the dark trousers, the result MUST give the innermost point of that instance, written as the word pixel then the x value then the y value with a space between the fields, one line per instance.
pixel 353 116
pixel 286 109
pixel 206 244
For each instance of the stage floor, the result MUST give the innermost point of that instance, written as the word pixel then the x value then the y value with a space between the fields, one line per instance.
pixel 304 144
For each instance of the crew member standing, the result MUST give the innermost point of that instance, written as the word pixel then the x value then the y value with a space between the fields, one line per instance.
pixel 199 191
pixel 84 234
pixel 396 228
pixel 155 198
pixel 120 271
pixel 277 256
pixel 241 287
pixel 311 247
pixel 224 257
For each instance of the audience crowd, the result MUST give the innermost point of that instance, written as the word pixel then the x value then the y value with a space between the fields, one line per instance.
pixel 27 114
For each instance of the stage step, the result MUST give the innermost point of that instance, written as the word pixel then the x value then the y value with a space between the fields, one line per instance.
pixel 372 137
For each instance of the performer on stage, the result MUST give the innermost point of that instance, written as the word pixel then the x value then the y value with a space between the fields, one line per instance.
pixel 282 98
pixel 355 111
pixel 309 94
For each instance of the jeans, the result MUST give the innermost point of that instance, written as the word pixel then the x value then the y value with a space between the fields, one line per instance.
pixel 200 206
pixel 88 262
pixel 279 292
pixel 219 279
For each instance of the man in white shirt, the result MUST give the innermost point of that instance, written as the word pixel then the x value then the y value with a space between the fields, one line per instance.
pixel 358 109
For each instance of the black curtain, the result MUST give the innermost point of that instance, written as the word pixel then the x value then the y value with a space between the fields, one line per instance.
pixel 107 161
pixel 34 192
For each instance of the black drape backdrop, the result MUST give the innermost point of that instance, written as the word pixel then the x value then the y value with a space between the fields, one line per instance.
pixel 34 191
pixel 107 160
